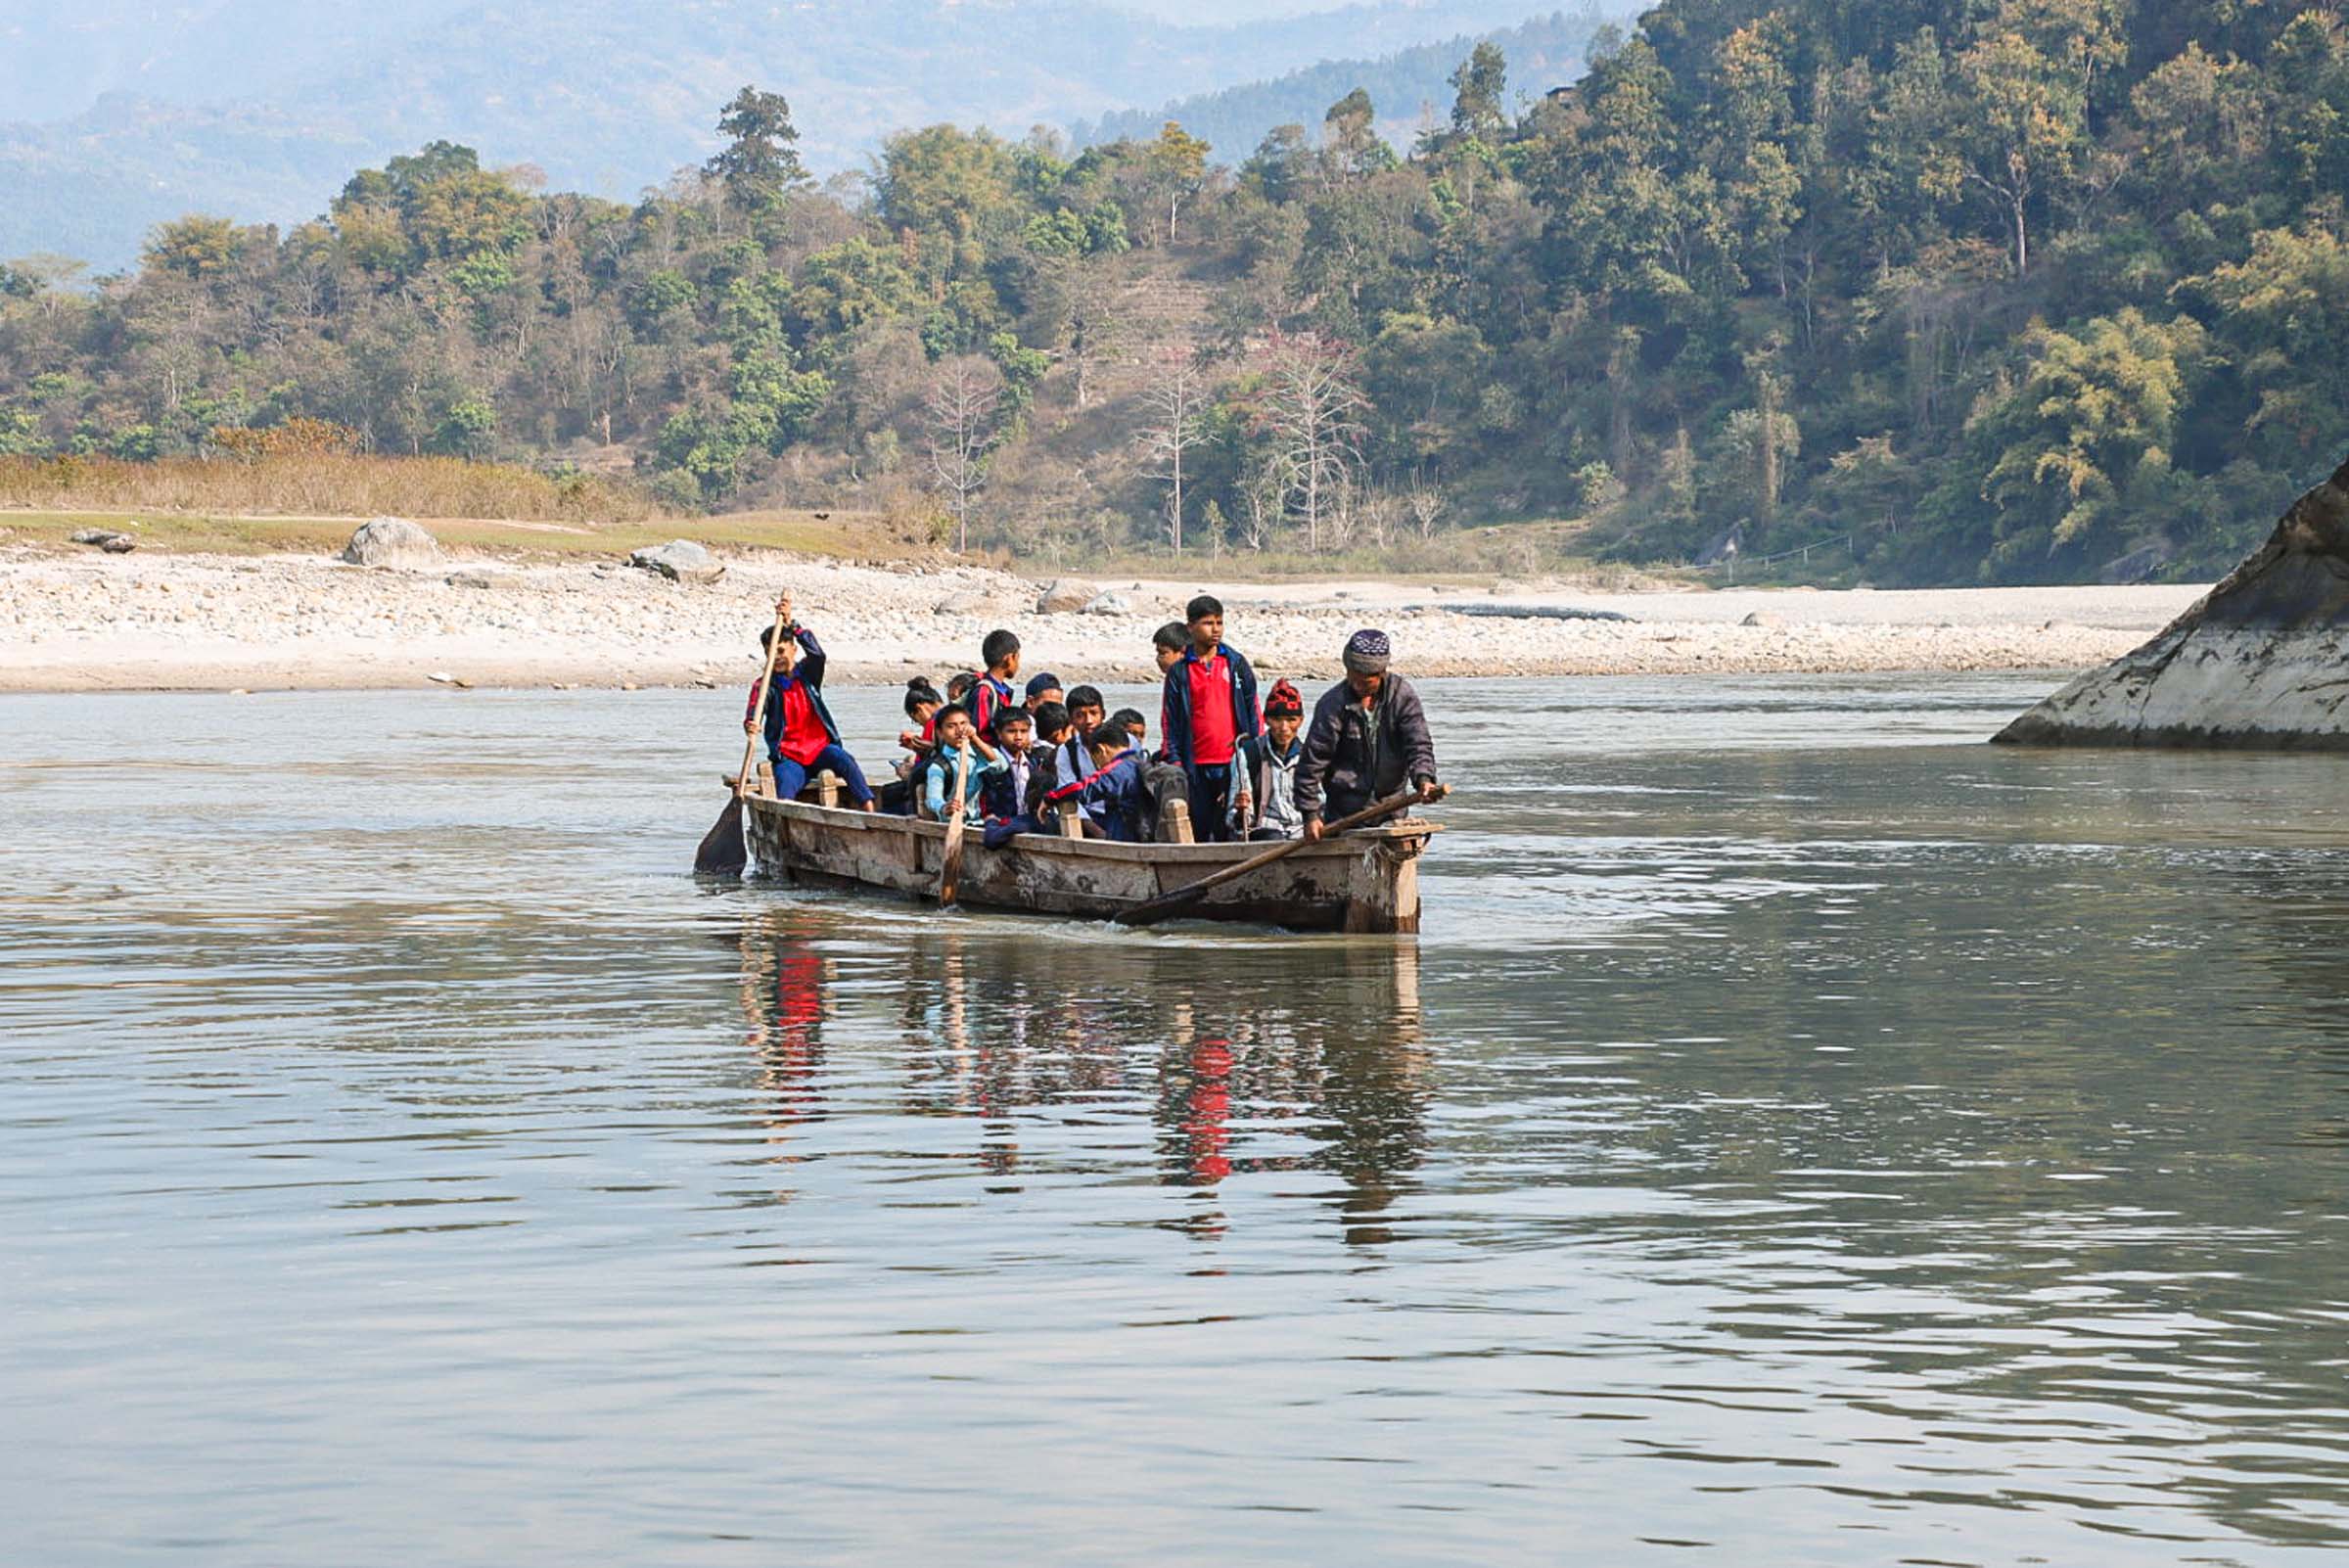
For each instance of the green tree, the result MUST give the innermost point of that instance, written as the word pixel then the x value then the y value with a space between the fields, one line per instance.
pixel 759 164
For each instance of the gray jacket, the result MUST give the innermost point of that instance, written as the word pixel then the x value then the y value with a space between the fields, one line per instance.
pixel 1352 758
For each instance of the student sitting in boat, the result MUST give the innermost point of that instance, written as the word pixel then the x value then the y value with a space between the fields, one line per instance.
pixel 1067 760
pixel 922 703
pixel 1368 735
pixel 1112 796
pixel 1269 764
pixel 1053 730
pixel 1004 795
pixel 1208 705
pixel 1042 689
pixel 937 776
pixel 801 739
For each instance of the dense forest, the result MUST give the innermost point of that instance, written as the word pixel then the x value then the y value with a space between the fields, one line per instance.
pixel 1945 290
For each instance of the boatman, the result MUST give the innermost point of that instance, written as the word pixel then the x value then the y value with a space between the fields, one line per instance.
pixel 801 736
pixel 1368 735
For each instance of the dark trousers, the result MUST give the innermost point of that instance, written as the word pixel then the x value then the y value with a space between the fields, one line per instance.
pixel 792 777
pixel 1211 798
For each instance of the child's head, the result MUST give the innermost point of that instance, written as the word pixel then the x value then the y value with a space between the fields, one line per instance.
pixel 1087 709
pixel 1167 644
pixel 922 700
pixel 953 729
pixel 1044 688
pixel 1001 652
pixel 1203 618
pixel 958 685
pixel 1129 724
pixel 1012 729
pixel 1284 715
pixel 1105 742
pixel 1051 724
pixel 786 655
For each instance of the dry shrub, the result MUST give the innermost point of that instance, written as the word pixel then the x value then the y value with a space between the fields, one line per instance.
pixel 320 484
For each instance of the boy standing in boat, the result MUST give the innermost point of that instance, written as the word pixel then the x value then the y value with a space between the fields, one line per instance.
pixel 1209 705
pixel 994 691
pixel 801 738
pixel 1269 764
pixel 1368 735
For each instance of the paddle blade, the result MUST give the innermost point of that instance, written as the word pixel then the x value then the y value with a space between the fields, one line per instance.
pixel 722 851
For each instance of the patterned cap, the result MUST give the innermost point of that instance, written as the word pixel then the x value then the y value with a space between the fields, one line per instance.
pixel 1285 700
pixel 1368 653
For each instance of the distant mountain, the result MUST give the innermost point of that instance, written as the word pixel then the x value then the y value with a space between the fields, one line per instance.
pixel 260 109
pixel 1410 87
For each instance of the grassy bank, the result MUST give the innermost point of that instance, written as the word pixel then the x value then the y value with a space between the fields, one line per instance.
pixel 319 484
pixel 219 533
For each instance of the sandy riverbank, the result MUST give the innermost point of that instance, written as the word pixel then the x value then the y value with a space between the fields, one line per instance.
pixel 86 621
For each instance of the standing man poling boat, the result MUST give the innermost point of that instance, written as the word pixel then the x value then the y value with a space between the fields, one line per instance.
pixel 1368 735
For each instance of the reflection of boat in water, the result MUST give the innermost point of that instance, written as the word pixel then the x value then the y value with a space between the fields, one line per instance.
pixel 1284 1058
pixel 1364 881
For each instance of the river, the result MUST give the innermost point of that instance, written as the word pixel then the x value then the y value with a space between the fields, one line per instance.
pixel 1800 1134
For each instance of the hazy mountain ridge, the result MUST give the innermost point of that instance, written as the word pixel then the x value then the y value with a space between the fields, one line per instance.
pixel 1545 52
pixel 608 99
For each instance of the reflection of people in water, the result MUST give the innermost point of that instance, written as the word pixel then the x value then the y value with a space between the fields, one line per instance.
pixel 1343 1053
pixel 1305 1060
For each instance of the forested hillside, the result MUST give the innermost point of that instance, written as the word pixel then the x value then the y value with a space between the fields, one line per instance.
pixel 1948 290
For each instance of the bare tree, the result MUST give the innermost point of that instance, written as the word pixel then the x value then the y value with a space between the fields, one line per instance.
pixel 961 420
pixel 1314 411
pixel 1424 499
pixel 1176 403
pixel 1083 295
pixel 1264 497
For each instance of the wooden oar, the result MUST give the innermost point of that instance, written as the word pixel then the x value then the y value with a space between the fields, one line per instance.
pixel 723 850
pixel 1181 898
pixel 949 868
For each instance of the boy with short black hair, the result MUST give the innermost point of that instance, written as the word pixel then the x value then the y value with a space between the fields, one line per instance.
pixel 1167 644
pixel 1005 795
pixel 935 779
pixel 1209 705
pixel 1042 689
pixel 992 689
pixel 1111 794
pixel 801 739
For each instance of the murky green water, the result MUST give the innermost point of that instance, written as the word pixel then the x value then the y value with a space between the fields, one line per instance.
pixel 1798 1137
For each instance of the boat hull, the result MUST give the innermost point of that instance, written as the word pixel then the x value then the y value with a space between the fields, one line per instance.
pixel 1365 880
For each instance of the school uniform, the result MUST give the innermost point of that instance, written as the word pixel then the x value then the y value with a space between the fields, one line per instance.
pixel 1208 705
pixel 937 784
pixel 1113 796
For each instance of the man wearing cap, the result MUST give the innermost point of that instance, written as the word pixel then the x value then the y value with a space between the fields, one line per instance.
pixel 1266 807
pixel 1368 736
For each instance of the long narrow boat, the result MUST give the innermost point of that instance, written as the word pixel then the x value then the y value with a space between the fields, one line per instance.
pixel 1365 880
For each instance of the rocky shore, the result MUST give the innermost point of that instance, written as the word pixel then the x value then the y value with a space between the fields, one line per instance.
pixel 92 622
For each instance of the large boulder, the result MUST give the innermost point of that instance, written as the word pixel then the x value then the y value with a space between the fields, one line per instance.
pixel 2256 664
pixel 1109 604
pixel 679 560
pixel 391 541
pixel 1065 595
pixel 966 602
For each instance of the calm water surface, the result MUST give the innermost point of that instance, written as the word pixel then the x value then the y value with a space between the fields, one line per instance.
pixel 1800 1137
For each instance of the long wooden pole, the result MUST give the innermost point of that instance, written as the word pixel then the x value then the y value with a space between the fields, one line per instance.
pixel 750 742
pixel 949 868
pixel 723 850
pixel 1159 909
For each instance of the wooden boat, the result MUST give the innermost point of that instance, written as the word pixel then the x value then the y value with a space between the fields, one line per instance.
pixel 1364 880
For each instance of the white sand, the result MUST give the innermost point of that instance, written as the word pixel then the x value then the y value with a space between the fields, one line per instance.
pixel 86 621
